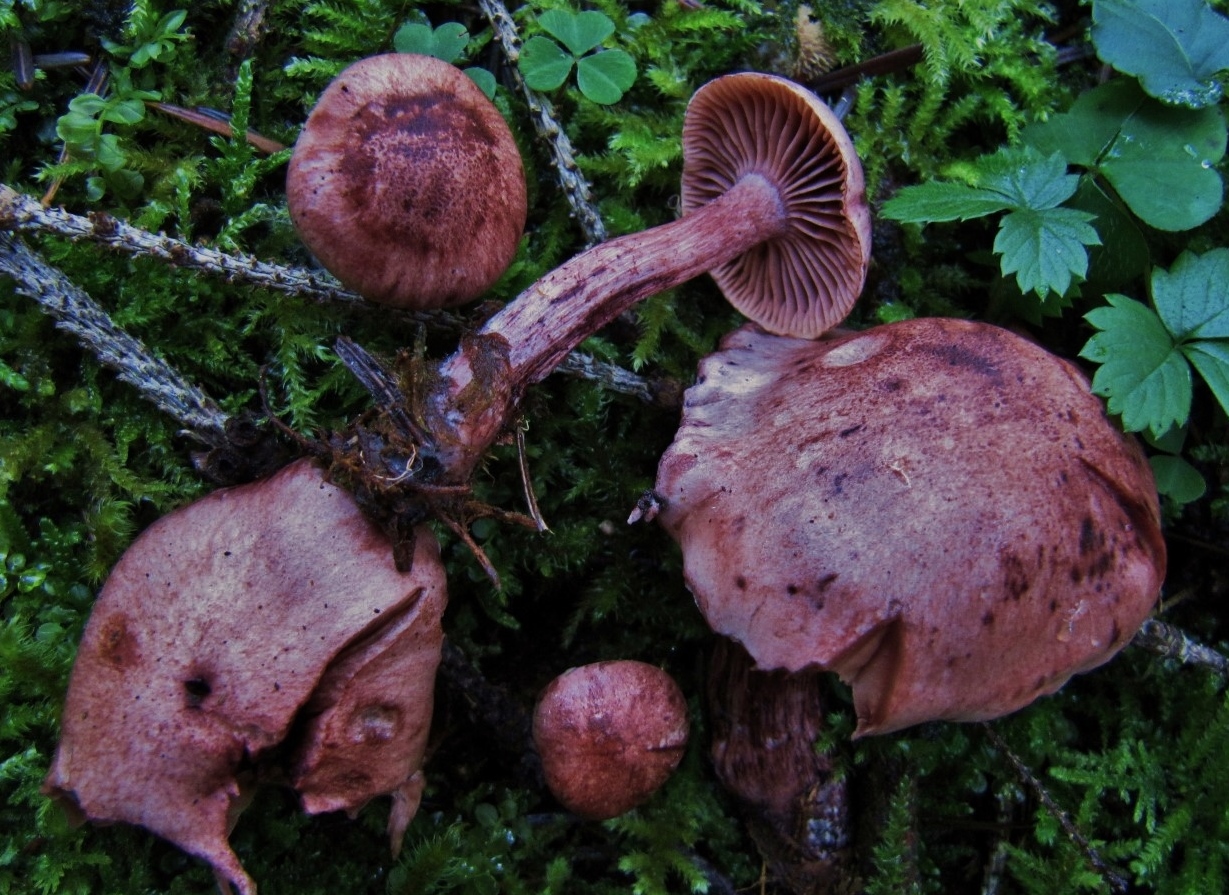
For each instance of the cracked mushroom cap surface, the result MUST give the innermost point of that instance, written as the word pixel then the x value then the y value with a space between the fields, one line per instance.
pixel 225 622
pixel 407 184
pixel 937 510
pixel 609 735
pixel 805 282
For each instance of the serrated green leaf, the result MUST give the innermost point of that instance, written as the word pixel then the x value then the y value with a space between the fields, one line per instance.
pixel 1177 479
pixel 605 76
pixel 927 203
pixel 544 64
pixel 580 32
pixel 1211 359
pixel 1142 373
pixel 1029 179
pixel 1175 47
pixel 1192 297
pixel 1044 248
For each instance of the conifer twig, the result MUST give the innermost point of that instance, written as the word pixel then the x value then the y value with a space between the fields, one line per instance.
pixel 21 213
pixel 1173 643
pixel 1113 877
pixel 78 314
pixel 575 187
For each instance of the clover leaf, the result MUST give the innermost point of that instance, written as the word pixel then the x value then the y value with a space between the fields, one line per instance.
pixel 602 75
pixel 447 42
pixel 1175 47
pixel 1146 355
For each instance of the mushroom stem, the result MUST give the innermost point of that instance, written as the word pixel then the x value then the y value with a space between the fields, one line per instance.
pixel 480 384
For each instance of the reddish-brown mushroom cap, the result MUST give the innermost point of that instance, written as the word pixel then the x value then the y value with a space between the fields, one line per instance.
pixel 804 282
pixel 407 184
pixel 609 735
pixel 215 629
pixel 937 510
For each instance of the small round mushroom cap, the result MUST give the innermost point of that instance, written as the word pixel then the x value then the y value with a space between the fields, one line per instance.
pixel 937 510
pixel 805 282
pixel 406 183
pixel 609 735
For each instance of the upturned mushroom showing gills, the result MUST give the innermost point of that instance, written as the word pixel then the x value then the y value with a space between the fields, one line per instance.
pixel 406 183
pixel 609 735
pixel 261 631
pixel 774 203
pixel 939 511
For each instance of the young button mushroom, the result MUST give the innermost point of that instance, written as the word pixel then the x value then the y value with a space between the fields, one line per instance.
pixel 937 510
pixel 407 184
pixel 609 735
pixel 774 203
pixel 225 622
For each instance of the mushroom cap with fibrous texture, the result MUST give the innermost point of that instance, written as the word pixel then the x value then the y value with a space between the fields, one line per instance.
pixel 221 626
pixel 407 184
pixel 804 282
pixel 937 510
pixel 609 735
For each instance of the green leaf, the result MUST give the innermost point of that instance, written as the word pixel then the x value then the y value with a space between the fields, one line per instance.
pixel 1211 359
pixel 927 203
pixel 447 42
pixel 1192 297
pixel 483 78
pixel 605 76
pixel 1160 159
pixel 1044 248
pixel 1177 479
pixel 1028 178
pixel 1123 255
pixel 544 64
pixel 580 32
pixel 1175 47
pixel 1142 374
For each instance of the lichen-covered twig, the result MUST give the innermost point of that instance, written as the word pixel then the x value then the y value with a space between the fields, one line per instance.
pixel 1173 643
pixel 20 212
pixel 574 184
pixel 78 314
pixel 1114 878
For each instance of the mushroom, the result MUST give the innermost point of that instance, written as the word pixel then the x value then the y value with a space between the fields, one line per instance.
pixel 609 735
pixel 937 510
pixel 407 184
pixel 773 203
pixel 224 624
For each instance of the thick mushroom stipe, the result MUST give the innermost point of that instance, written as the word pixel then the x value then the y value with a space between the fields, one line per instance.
pixel 407 184
pixel 804 281
pixel 609 735
pixel 222 624
pixel 937 510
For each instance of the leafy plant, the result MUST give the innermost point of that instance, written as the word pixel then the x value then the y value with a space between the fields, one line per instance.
pixel 148 39
pixel 447 42
pixel 602 75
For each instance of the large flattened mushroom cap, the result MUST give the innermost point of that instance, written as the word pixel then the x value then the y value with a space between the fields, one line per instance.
pixel 407 184
pixel 937 510
pixel 805 282
pixel 609 735
pixel 212 633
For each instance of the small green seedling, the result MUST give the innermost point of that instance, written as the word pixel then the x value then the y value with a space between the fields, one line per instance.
pixel 602 75
pixel 447 42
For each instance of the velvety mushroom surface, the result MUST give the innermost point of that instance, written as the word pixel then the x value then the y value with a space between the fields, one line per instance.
pixel 937 510
pixel 217 627
pixel 609 735
pixel 407 184
pixel 804 281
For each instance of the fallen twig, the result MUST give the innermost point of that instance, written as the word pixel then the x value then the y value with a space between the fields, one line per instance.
pixel 1173 643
